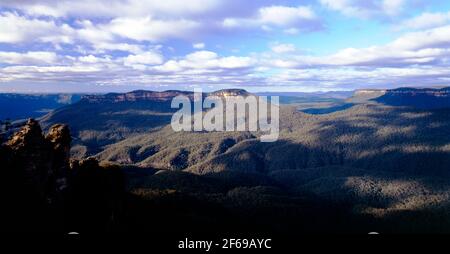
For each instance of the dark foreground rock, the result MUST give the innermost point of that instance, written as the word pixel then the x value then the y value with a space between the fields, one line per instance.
pixel 44 190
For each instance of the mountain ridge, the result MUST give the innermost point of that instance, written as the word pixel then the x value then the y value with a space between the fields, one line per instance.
pixel 422 98
pixel 372 160
pixel 163 96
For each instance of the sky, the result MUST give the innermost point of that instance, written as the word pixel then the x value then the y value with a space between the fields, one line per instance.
pixel 265 45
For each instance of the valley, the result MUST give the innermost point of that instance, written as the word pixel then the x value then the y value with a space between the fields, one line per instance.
pixel 206 120
pixel 32 105
pixel 376 166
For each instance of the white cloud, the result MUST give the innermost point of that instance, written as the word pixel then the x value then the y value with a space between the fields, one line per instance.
pixel 366 8
pixel 91 59
pixel 353 78
pixel 426 20
pixel 233 62
pixel 147 58
pixel 93 33
pixel 203 55
pixel 283 48
pixel 200 45
pixel 112 8
pixel 20 29
pixel 148 29
pixel 437 37
pixel 393 7
pixel 425 47
pixel 291 18
pixel 133 48
pixel 105 24
pixel 285 16
pixel 33 57
pixel 291 31
pixel 206 61
pixel 347 7
pixel 15 28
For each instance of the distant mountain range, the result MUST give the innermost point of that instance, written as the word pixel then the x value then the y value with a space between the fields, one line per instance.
pixel 381 163
pixel 152 96
pixel 35 105
pixel 133 128
pixel 100 120
pixel 329 94
pixel 417 98
pixel 22 106
pixel 423 98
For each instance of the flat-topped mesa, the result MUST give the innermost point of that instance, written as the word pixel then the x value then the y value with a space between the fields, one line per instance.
pixel 363 95
pixel 422 98
pixel 230 93
pixel 133 96
pixel 369 91
pixel 400 96
pixel 408 91
pixel 165 96
pixel 435 92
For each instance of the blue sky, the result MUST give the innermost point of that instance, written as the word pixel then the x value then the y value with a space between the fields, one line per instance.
pixel 266 45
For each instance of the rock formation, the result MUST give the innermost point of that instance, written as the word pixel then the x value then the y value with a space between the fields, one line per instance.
pixel 422 98
pixel 425 98
pixel 139 95
pixel 41 161
pixel 44 190
pixel 165 96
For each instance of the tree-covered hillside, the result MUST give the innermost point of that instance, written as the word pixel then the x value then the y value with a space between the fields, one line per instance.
pixel 373 163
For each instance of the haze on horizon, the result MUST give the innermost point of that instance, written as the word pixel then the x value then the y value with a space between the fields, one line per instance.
pixel 301 46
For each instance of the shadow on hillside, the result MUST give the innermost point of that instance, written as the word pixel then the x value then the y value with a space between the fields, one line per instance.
pixel 361 166
pixel 281 187
pixel 412 142
pixel 95 125
pixel 256 202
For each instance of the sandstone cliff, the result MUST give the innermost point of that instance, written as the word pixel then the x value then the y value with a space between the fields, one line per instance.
pixel 42 189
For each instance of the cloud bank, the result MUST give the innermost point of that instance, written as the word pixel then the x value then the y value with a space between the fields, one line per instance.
pixel 171 44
